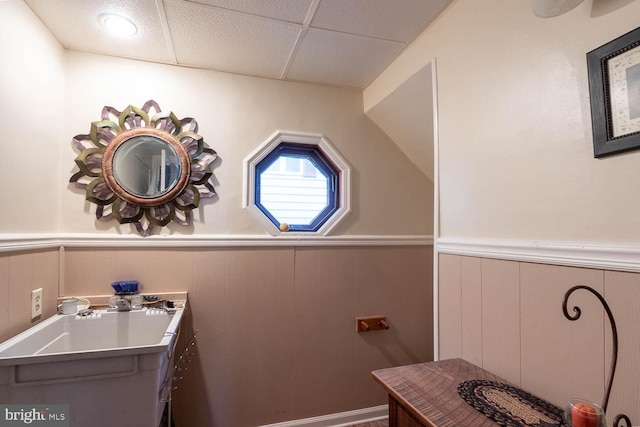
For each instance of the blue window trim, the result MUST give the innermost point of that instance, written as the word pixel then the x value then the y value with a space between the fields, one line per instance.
pixel 322 163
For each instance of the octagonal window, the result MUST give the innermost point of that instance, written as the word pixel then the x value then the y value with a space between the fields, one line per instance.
pixel 296 183
pixel 296 187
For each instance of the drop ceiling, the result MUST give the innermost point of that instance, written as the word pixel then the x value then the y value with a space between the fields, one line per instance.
pixel 336 42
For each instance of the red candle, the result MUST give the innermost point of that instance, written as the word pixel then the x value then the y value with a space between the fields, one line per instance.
pixel 584 415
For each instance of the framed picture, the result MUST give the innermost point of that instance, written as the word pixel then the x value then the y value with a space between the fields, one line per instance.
pixel 614 86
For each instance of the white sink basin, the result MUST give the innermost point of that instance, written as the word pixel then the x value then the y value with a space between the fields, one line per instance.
pixel 109 363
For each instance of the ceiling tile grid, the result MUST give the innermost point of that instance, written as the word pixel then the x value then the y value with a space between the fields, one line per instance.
pixel 398 20
pixel 283 10
pixel 239 43
pixel 341 59
pixel 335 42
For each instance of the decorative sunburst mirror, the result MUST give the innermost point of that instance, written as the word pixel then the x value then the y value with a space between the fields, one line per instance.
pixel 144 167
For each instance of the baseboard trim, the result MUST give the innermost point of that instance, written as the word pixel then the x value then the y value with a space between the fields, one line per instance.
pixel 341 419
pixel 607 256
pixel 12 243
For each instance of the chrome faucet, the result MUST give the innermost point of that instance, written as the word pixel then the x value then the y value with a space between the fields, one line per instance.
pixel 123 304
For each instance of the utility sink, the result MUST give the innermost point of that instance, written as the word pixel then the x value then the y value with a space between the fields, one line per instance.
pixel 102 333
pixel 102 364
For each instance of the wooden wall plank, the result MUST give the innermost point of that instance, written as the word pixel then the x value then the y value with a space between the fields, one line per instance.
pixel 501 318
pixel 373 292
pixel 168 270
pixel 306 348
pixel 286 335
pixel 207 302
pixel 21 269
pixel 561 359
pixel 230 403
pixel 91 272
pixel 327 330
pixel 622 292
pixel 471 308
pixel 344 312
pixel 407 305
pixel 24 272
pixel 5 332
pixel 449 306
pixel 259 349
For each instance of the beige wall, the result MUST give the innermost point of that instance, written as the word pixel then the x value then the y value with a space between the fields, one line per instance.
pixel 277 337
pixel 20 272
pixel 516 165
pixel 516 155
pixel 276 326
pixel 32 111
pixel 506 316
pixel 50 95
pixel 236 114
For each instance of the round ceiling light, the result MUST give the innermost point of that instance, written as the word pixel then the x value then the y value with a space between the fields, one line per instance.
pixel 118 25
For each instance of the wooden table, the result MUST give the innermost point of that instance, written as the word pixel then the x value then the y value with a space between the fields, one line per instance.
pixel 426 394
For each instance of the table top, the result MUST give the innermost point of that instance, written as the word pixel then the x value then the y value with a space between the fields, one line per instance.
pixel 429 391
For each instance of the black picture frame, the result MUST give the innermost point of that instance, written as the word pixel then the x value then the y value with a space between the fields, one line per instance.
pixel 614 87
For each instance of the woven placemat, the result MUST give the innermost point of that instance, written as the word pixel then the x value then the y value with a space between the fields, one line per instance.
pixel 510 406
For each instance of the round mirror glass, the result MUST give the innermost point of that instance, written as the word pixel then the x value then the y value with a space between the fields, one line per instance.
pixel 146 166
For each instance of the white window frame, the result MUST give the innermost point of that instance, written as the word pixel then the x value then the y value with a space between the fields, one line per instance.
pixel 329 151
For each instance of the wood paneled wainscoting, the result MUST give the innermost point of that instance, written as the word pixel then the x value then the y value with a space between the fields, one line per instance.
pixel 277 339
pixel 20 273
pixel 506 317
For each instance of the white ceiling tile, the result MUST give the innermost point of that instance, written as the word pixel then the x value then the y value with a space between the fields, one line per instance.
pixel 341 59
pixel 217 39
pixel 400 20
pixel 286 10
pixel 348 43
pixel 75 25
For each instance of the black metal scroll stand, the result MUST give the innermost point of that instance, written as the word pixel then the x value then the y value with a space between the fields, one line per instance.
pixel 614 358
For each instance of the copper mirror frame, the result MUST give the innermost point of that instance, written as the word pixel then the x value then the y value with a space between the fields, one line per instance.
pixel 173 185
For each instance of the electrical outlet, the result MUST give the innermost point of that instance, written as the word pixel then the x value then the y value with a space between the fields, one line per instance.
pixel 36 303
